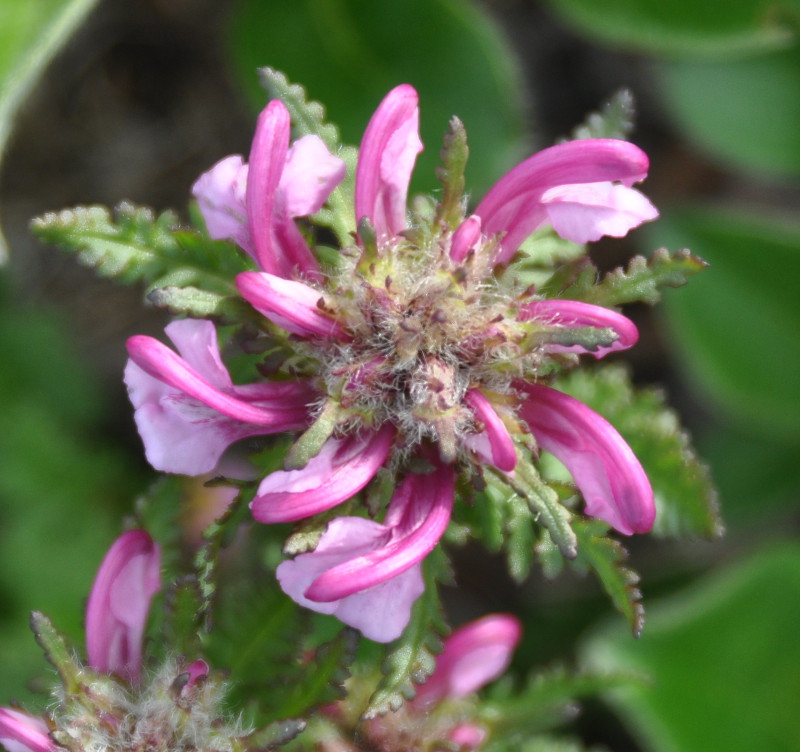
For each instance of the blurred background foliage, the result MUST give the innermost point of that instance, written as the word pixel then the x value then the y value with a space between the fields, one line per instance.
pixel 144 95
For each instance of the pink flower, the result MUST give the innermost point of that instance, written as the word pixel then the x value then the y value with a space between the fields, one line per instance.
pixel 419 352
pixel 20 732
pixel 116 614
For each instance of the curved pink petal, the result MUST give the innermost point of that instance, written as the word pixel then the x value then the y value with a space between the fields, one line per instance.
pixel 428 503
pixel 465 238
pixel 268 154
pixel 386 159
pixel 220 194
pixel 585 213
pixel 380 613
pixel 310 174
pixel 605 469
pixel 574 313
pixel 473 656
pixel 292 305
pixel 20 732
pixel 515 207
pixel 341 469
pixel 116 614
pixel 501 445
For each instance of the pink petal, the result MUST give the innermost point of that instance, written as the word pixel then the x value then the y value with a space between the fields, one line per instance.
pixel 268 154
pixel 501 445
pixel 380 613
pixel 605 469
pixel 473 656
pixel 386 160
pixel 427 502
pixel 341 469
pixel 20 732
pixel 573 313
pixel 515 205
pixel 467 736
pixel 289 304
pixel 116 614
pixel 310 174
pixel 585 213
pixel 465 238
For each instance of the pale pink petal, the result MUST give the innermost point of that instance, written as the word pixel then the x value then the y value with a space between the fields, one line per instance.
pixel 268 154
pixel 341 469
pixel 292 305
pixel 116 614
pixel 473 656
pixel 514 206
pixel 386 160
pixel 503 452
pixel 427 502
pixel 585 213
pixel 465 238
pixel 574 313
pixel 20 732
pixel 467 736
pixel 310 174
pixel 380 613
pixel 605 469
pixel 220 194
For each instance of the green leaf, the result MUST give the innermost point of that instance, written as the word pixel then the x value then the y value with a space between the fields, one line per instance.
pixel 686 500
pixel 613 120
pixel 735 328
pixel 640 282
pixel 697 28
pixel 742 112
pixel 133 245
pixel 722 656
pixel 350 53
pixel 201 304
pixel 31 33
pixel 454 156
pixel 606 556
pixel 411 658
pixel 57 653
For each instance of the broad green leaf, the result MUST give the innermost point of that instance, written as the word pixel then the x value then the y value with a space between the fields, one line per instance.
pixel 743 112
pixel 722 658
pixel 350 53
pixel 734 329
pixel 31 32
pixel 686 499
pixel 412 657
pixel 697 28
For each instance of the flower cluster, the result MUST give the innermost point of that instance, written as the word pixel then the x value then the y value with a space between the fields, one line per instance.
pixel 418 354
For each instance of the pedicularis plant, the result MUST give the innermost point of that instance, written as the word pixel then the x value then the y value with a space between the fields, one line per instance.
pixel 393 379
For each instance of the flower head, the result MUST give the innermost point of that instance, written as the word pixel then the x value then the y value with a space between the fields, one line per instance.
pixel 415 354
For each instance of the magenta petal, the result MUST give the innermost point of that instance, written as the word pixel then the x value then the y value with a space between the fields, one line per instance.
pixel 431 497
pixel 386 160
pixel 515 206
pixel 473 656
pixel 268 154
pixel 587 212
pixel 20 732
pixel 341 469
pixel 503 451
pixel 310 174
pixel 117 610
pixel 380 613
pixel 573 313
pixel 466 236
pixel 605 469
pixel 289 304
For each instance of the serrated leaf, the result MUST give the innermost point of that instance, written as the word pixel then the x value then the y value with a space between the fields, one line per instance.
pixel 686 499
pixel 454 156
pixel 520 538
pixel 201 304
pixel 134 245
pixel 641 281
pixel 605 556
pixel 412 658
pixel 308 117
pixel 613 120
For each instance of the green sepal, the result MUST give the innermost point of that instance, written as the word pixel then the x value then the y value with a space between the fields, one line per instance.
pixel 686 499
pixel 412 657
pixel 310 442
pixel 450 174
pixel 605 555
pixel 202 304
pixel 276 734
pixel 309 118
pixel 614 119
pixel 70 672
pixel 590 338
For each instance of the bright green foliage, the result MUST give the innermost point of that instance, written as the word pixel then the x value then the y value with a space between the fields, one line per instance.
pixel 700 28
pixel 412 657
pixel 722 657
pixel 686 500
